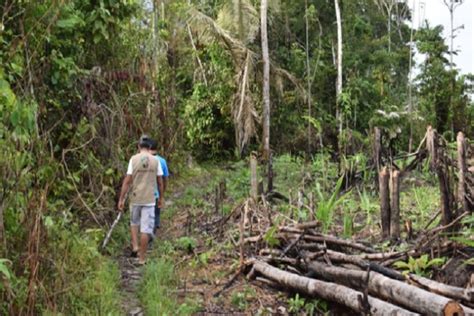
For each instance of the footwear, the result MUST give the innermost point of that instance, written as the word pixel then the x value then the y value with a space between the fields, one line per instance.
pixel 134 254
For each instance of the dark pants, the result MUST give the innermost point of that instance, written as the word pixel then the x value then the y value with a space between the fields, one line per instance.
pixel 157 216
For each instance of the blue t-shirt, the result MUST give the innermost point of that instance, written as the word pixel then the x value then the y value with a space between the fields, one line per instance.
pixel 164 166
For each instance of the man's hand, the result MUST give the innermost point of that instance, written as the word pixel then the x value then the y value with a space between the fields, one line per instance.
pixel 125 186
pixel 121 205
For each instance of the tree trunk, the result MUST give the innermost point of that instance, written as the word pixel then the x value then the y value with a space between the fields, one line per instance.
pixel 438 164
pixel 377 148
pixel 270 173
pixel 266 80
pixel 410 98
pixel 253 177
pixel 408 296
pixel 3 242
pixel 395 204
pixel 339 65
pixel 461 143
pixel 432 146
pixel 384 201
pixel 329 291
pixel 308 76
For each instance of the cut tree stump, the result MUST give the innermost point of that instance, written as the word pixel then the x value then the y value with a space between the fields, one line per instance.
pixel 329 291
pixel 462 194
pixel 384 201
pixel 377 148
pixel 395 204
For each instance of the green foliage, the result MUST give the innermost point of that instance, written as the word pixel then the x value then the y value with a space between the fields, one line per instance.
pixel 186 243
pixel 347 223
pixel 240 299
pixel 368 205
pixel 157 289
pixel 421 202
pixel 270 237
pixel 327 204
pixel 419 266
pixel 5 270
pixel 465 236
pixel 296 304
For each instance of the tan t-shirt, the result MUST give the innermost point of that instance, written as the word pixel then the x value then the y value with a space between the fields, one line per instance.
pixel 144 169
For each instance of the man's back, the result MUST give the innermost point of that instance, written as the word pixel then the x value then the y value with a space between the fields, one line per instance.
pixel 144 168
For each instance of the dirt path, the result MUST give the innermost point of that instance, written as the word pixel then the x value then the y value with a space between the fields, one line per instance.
pixel 130 276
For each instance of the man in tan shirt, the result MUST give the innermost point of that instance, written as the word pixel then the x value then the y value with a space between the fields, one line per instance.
pixel 144 175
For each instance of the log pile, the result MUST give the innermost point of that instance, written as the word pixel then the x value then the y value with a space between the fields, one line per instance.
pixel 299 258
pixel 282 252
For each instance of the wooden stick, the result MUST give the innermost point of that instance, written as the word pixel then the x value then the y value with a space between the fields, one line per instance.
pixel 109 233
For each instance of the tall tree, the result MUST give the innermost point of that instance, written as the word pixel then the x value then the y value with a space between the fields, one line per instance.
pixel 308 72
pixel 339 65
pixel 452 6
pixel 266 80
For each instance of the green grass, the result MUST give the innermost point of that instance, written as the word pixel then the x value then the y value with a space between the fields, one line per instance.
pixel 420 203
pixel 159 284
pixel 84 281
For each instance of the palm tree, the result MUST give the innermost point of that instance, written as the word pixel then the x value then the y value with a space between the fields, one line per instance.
pixel 236 28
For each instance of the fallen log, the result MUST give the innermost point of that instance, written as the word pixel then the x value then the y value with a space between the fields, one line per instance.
pixel 454 292
pixel 359 262
pixel 366 256
pixel 329 291
pixel 409 296
pixel 328 239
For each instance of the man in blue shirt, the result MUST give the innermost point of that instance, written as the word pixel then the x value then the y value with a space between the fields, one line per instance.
pixel 164 166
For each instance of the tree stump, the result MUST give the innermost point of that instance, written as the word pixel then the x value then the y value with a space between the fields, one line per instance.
pixel 395 204
pixel 384 201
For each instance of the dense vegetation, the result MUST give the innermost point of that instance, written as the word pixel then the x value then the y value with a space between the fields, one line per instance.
pixel 81 80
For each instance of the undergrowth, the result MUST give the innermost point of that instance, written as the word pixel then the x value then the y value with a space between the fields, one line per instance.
pixel 160 281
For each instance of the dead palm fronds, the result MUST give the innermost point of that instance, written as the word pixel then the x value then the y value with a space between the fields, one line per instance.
pixel 236 27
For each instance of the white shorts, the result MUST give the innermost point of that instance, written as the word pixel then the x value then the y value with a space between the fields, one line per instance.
pixel 143 216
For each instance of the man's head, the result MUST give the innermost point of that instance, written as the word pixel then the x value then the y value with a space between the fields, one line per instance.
pixel 144 142
pixel 153 146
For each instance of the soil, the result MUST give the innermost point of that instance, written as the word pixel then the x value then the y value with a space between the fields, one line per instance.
pixel 130 280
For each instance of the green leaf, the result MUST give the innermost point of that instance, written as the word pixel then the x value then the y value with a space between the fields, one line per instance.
pixel 70 22
pixel 4 268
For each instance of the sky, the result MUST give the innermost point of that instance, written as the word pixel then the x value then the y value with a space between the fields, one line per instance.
pixel 436 12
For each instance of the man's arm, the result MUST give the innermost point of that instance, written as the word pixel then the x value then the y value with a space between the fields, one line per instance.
pixel 165 183
pixel 125 186
pixel 159 180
